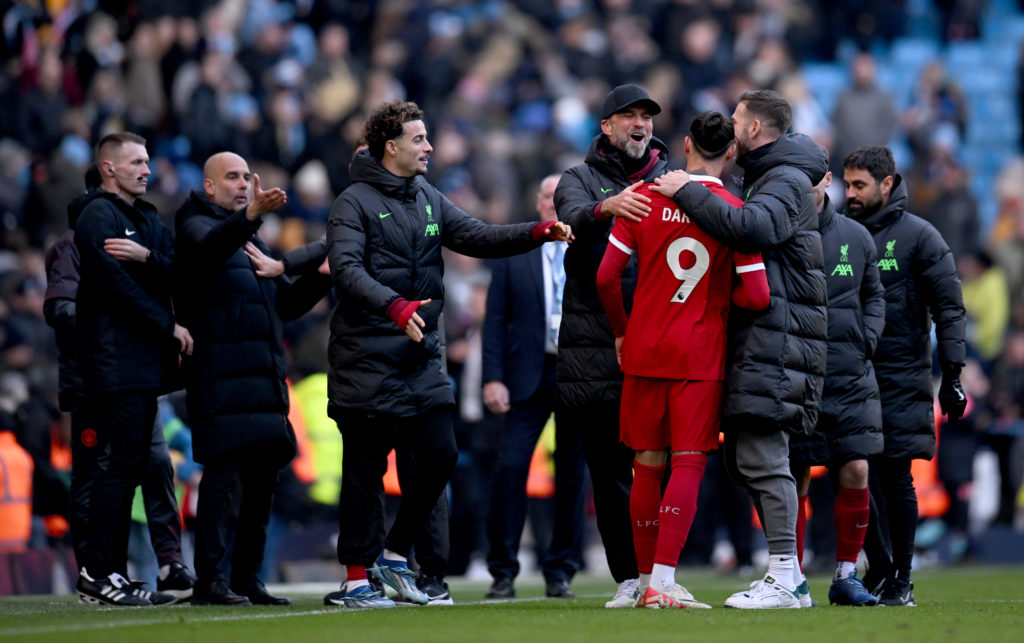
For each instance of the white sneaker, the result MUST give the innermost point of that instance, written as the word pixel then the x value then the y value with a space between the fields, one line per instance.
pixel 803 590
pixel 626 595
pixel 764 594
pixel 675 596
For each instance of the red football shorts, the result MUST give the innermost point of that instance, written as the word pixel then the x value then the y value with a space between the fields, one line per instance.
pixel 681 414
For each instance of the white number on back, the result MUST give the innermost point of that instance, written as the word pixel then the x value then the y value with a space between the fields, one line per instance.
pixel 689 276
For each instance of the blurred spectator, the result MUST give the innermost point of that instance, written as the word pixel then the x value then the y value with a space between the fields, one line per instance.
pixel 865 113
pixel 987 302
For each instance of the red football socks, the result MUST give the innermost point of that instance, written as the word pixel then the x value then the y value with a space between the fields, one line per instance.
pixel 644 500
pixel 801 528
pixel 851 521
pixel 679 506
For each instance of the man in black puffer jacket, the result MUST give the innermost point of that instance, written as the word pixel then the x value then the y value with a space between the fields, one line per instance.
pixel 777 363
pixel 235 379
pixel 921 284
pixel 387 384
pixel 850 422
pixel 622 157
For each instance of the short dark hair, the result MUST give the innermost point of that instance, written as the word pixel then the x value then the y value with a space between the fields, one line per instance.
pixel 877 160
pixel 115 140
pixel 387 123
pixel 712 132
pixel 770 108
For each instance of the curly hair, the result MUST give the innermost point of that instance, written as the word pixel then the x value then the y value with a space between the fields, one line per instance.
pixel 386 123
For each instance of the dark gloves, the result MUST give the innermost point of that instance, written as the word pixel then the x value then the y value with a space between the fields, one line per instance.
pixel 952 399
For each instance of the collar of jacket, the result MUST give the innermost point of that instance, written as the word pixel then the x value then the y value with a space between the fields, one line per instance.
pixel 896 205
pixel 366 169
pixel 607 160
pixel 827 214
pixel 204 204
pixel 136 209
pixel 798 150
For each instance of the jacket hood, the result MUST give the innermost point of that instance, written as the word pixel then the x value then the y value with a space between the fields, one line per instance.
pixel 798 150
pixel 366 169
pixel 605 158
pixel 78 203
pixel 897 204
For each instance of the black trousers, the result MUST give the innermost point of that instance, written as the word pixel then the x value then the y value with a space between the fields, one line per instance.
pixel 611 474
pixel 889 543
pixel 122 424
pixel 88 459
pixel 433 545
pixel 428 440
pixel 508 504
pixel 235 497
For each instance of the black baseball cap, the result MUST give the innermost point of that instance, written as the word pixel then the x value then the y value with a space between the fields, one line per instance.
pixel 625 96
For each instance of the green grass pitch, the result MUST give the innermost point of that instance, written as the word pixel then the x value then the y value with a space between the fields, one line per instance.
pixel 978 604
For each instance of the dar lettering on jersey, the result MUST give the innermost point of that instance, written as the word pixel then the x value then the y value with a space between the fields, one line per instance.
pixel 677 328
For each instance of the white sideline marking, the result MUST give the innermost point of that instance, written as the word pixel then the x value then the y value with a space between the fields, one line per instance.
pixel 199 618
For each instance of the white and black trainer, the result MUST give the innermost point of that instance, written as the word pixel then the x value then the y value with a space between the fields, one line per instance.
pixel 112 590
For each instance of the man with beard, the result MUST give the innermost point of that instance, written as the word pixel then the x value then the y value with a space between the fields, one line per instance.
pixel 921 284
pixel 237 396
pixel 622 158
pixel 777 366
pixel 387 386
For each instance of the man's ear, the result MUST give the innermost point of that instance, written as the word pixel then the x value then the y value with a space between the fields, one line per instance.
pixel 886 186
pixel 731 152
pixel 606 127
pixel 208 186
pixel 390 147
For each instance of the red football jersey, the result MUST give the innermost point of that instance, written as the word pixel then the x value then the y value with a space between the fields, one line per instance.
pixel 677 328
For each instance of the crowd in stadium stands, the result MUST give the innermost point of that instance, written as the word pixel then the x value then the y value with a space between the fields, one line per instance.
pixel 510 92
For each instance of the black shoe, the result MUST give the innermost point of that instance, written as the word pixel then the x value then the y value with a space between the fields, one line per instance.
pixel 138 588
pixel 175 579
pixel 435 589
pixel 258 595
pixel 501 588
pixel 875 583
pixel 898 593
pixel 217 593
pixel 558 589
pixel 112 590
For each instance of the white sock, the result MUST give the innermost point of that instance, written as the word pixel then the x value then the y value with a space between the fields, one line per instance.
pixel 165 571
pixel 780 567
pixel 844 569
pixel 390 555
pixel 798 575
pixel 662 577
pixel 353 584
pixel 645 581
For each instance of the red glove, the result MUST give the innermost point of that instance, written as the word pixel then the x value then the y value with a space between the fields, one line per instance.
pixel 540 231
pixel 401 310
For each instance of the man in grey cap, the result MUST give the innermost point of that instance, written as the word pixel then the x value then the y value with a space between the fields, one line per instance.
pixel 621 158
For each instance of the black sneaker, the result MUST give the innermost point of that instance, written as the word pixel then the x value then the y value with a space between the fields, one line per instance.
pixel 138 588
pixel 436 590
pixel 176 579
pixel 898 593
pixel 112 590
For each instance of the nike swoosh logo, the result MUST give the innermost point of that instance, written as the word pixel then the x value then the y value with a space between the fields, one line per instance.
pixel 861 526
pixel 129 232
pixel 606 190
pixel 383 215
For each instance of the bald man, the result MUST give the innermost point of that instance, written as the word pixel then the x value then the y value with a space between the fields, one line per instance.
pixel 235 378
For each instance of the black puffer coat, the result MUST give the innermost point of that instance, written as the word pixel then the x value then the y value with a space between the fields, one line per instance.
pixel 850 423
pixel 921 284
pixel 588 372
pixel 777 356
pixel 235 377
pixel 125 327
pixel 384 240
